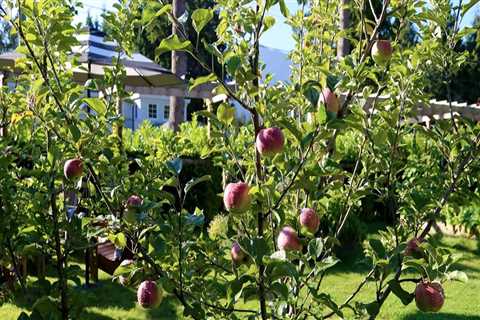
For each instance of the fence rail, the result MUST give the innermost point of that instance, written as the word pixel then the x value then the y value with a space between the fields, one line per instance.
pixel 433 110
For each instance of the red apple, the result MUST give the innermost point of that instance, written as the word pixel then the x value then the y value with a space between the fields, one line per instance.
pixel 237 253
pixel 413 248
pixel 309 220
pixel 236 197
pixel 148 294
pixel 382 51
pixel 429 296
pixel 330 100
pixel 288 240
pixel 134 201
pixel 73 168
pixel 270 141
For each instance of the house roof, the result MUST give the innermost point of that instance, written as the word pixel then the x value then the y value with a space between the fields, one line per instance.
pixel 143 75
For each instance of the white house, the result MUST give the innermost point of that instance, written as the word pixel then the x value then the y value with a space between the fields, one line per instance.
pixel 151 107
pixel 150 84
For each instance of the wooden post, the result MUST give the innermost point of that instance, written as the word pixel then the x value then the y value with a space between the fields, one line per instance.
pixel 40 265
pixel 119 126
pixel 91 264
pixel 23 267
pixel 94 261
pixel 209 104
pixel 3 129
pixel 343 46
pixel 179 68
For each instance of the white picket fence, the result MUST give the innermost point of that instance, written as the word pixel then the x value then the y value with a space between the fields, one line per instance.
pixel 434 110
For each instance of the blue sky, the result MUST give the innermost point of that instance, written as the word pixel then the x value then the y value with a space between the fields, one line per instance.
pixel 277 37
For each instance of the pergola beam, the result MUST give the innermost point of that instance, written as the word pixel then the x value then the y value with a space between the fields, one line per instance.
pixel 171 91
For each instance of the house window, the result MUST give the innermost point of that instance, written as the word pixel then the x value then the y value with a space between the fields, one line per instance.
pixel 166 112
pixel 152 111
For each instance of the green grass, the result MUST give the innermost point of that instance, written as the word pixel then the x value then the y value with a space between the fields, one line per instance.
pixel 462 299
pixel 112 301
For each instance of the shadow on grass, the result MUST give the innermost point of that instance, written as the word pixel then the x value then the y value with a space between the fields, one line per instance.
pixel 94 316
pixel 106 294
pixel 439 316
pixel 166 311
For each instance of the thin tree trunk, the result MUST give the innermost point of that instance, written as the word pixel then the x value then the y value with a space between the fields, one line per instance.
pixel 343 45
pixel 60 257
pixel 3 128
pixel 179 68
pixel 119 125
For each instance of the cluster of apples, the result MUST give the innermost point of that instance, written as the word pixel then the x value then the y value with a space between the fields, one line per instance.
pixel 149 294
pixel 269 142
pixel 236 197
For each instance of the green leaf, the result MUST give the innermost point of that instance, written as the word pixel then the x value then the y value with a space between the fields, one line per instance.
pixel 311 92
pixel 233 63
pixel 326 263
pixel 119 240
pixel 403 295
pixel 202 80
pixel 175 165
pixel 286 123
pixel 307 139
pixel 280 289
pixel 30 37
pixel 192 183
pixel 282 269
pixel 458 276
pixel 255 248
pixel 124 269
pixel 75 132
pixel 165 9
pixel 268 22
pixel 23 316
pixel 98 105
pixel 284 9
pixel 373 308
pixel 315 248
pixel 200 18
pixel 46 307
pixel 469 6
pixel 377 247
pixel 196 220
pixel 226 113
pixel 173 43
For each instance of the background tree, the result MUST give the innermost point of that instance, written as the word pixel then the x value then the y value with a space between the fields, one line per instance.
pixel 464 84
pixel 7 40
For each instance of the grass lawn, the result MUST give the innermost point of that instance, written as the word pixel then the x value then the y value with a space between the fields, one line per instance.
pixel 112 301
pixel 462 299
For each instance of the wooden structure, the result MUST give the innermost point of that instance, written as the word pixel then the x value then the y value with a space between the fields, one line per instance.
pixel 433 110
